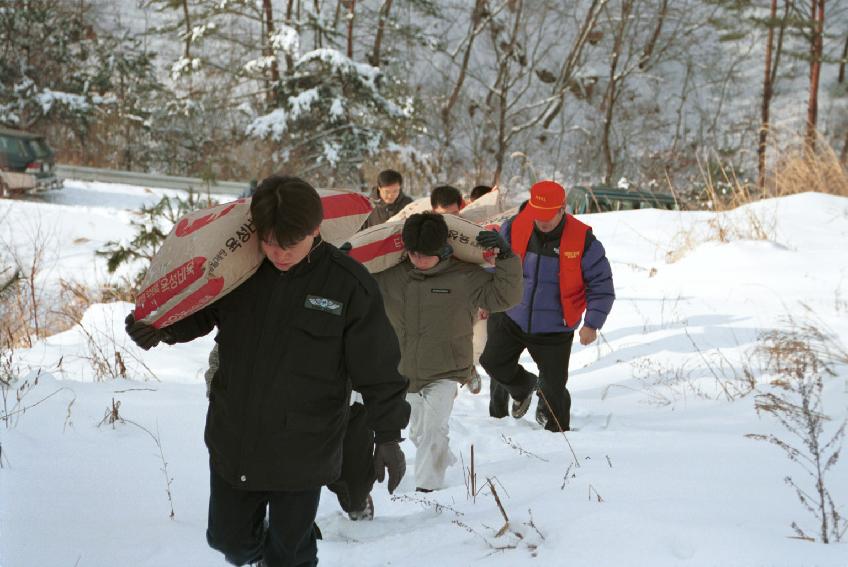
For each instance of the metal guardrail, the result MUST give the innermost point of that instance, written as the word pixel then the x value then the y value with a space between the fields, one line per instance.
pixel 149 179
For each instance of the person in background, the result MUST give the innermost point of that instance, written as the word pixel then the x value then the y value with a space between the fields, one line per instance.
pixel 475 384
pixel 446 200
pixel 566 274
pixel 479 191
pixel 431 299
pixel 388 199
pixel 294 338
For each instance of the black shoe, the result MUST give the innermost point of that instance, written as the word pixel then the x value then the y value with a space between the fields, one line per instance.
pixel 419 489
pixel 498 410
pixel 541 414
pixel 366 513
pixel 520 407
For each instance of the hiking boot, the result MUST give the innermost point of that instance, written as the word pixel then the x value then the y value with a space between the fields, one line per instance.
pixel 366 513
pixel 475 383
pixel 541 414
pixel 520 407
pixel 419 489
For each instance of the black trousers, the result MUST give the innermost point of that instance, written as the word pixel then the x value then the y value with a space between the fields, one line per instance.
pixel 550 352
pixel 357 480
pixel 237 526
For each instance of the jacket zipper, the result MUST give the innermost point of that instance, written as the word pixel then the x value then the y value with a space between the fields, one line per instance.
pixel 533 294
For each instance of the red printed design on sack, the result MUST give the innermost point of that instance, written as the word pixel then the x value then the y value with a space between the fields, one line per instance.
pixel 162 290
pixel 196 301
pixel 346 205
pixel 188 225
pixel 368 252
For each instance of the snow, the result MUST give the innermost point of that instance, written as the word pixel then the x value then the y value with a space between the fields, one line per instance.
pixel 666 475
pixel 273 124
pixel 303 102
pixel 343 64
pixel 286 40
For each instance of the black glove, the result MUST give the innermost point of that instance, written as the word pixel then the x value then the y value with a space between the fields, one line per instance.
pixel 388 456
pixel 492 239
pixel 346 248
pixel 144 335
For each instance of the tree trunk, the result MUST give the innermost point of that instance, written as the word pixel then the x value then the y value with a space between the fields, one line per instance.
pixel 843 61
pixel 318 31
pixel 570 64
pixel 374 58
pixel 289 60
pixel 612 90
pixel 767 91
pixel 188 30
pixel 815 72
pixel 649 48
pixel 843 157
pixel 502 88
pixel 351 12
pixel 476 28
pixel 269 51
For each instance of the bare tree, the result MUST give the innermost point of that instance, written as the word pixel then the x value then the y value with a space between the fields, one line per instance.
pixel 816 42
pixel 652 42
pixel 478 24
pixel 768 83
pixel 289 58
pixel 612 86
pixel 187 20
pixel 267 50
pixel 374 58
pixel 351 13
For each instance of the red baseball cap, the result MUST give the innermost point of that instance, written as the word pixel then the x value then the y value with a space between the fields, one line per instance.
pixel 546 199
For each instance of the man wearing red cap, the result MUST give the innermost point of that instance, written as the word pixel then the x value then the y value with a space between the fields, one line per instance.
pixel 566 274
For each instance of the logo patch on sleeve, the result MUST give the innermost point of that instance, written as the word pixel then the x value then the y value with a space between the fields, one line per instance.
pixel 439 290
pixel 324 304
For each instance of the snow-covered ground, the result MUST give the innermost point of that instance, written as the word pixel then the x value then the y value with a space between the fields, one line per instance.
pixel 661 472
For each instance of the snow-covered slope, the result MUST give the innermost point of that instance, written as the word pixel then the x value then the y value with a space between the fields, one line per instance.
pixel 661 472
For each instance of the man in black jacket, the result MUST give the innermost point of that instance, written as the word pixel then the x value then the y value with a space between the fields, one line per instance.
pixel 294 339
pixel 389 198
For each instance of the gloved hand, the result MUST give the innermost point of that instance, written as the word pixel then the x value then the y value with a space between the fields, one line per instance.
pixel 346 248
pixel 144 335
pixel 492 239
pixel 388 456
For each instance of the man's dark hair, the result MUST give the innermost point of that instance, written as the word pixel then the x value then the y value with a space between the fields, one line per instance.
pixel 444 196
pixel 425 233
pixel 389 177
pixel 286 209
pixel 479 191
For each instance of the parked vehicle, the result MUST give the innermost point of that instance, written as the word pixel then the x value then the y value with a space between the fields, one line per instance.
pixel 599 199
pixel 26 153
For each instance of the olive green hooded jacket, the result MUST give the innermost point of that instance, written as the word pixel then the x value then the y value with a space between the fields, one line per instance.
pixel 433 313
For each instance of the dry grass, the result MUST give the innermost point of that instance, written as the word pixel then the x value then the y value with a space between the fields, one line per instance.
pixel 796 171
pixel 799 363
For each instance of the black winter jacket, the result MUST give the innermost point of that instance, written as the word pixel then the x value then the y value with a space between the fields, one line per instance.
pixel 291 346
pixel 383 212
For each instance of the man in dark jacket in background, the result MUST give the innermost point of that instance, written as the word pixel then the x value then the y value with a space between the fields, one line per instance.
pixel 446 200
pixel 566 273
pixel 294 339
pixel 388 199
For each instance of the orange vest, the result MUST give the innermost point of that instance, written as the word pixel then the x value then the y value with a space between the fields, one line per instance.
pixel 572 290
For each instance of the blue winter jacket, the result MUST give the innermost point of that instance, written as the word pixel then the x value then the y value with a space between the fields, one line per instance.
pixel 540 310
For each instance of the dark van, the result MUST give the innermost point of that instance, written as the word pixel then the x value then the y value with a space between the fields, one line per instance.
pixel 599 199
pixel 23 152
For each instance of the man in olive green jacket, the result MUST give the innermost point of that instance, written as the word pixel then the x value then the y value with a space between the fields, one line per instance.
pixel 431 300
